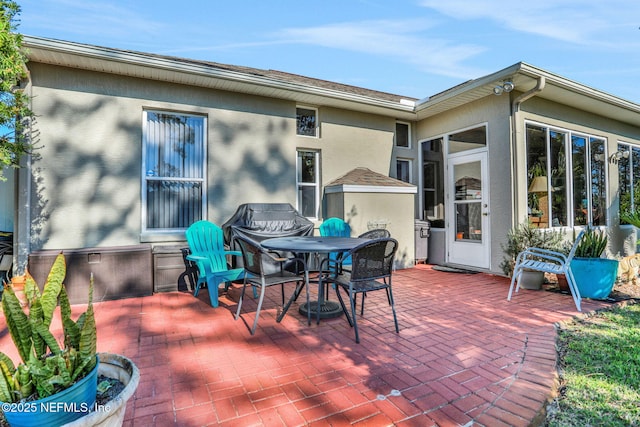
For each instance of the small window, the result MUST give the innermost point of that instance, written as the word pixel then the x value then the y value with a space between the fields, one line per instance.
pixel 403 170
pixel 402 135
pixel 308 183
pixel 307 121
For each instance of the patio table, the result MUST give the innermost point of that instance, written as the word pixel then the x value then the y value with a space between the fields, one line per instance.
pixel 308 245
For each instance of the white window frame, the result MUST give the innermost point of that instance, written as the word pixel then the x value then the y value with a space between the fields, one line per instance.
pixel 570 177
pixel 317 126
pixel 630 147
pixel 315 184
pixel 147 173
pixel 395 136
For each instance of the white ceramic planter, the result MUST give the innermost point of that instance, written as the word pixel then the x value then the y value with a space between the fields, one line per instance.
pixel 112 414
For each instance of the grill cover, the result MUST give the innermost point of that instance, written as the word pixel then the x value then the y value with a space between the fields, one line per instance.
pixel 260 221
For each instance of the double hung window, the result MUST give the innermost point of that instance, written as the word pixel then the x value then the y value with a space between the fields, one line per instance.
pixel 173 181
pixel 308 183
pixel 403 170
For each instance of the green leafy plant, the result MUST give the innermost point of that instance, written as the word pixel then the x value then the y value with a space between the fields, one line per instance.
pixel 15 115
pixel 593 243
pixel 632 218
pixel 526 235
pixel 47 368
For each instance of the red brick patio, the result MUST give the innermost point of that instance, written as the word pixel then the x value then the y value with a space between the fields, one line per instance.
pixel 464 356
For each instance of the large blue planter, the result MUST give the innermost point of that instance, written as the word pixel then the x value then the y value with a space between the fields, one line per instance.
pixel 57 409
pixel 595 277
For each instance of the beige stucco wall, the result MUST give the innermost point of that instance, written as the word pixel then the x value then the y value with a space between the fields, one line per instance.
pixel 492 111
pixel 86 186
pixel 396 209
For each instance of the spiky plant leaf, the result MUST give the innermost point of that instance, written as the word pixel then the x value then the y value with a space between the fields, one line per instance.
pixel 24 381
pixel 17 322
pixel 52 286
pixel 88 333
pixel 47 337
pixel 36 315
pixel 85 365
pixel 31 289
pixel 71 329
pixel 6 379
pixel 7 361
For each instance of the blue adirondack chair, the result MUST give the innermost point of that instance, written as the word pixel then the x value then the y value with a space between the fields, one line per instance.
pixel 206 243
pixel 336 227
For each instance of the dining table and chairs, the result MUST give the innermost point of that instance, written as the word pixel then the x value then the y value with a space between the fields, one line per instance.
pixel 370 270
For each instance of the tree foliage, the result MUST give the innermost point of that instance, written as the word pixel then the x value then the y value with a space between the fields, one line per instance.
pixel 15 114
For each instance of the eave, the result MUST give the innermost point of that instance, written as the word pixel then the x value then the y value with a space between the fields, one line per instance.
pixel 201 74
pixel 525 77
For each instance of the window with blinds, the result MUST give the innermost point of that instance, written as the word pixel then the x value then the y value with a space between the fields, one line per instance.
pixel 174 170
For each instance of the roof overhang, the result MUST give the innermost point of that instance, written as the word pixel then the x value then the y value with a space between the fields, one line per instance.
pixel 525 77
pixel 196 73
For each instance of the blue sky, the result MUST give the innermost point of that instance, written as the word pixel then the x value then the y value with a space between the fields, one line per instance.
pixel 408 47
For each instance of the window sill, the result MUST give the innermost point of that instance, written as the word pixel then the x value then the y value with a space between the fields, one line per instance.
pixel 157 236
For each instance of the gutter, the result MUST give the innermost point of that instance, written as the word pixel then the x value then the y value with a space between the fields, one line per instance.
pixel 515 109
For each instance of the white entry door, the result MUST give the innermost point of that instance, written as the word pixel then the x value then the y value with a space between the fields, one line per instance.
pixel 468 207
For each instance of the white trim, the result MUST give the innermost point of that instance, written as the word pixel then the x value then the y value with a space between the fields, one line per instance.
pixel 342 188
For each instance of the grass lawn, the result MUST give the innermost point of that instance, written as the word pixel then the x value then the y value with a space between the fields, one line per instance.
pixel 599 370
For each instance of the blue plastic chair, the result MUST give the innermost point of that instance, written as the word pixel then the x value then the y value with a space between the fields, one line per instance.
pixel 206 243
pixel 336 227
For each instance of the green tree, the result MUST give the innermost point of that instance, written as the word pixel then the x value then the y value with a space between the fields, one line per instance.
pixel 15 114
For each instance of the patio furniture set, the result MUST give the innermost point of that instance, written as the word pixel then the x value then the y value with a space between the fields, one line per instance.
pixel 276 247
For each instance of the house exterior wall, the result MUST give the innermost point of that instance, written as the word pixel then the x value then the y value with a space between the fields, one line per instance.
pixel 494 112
pixel 395 209
pixel 86 185
pixel 622 239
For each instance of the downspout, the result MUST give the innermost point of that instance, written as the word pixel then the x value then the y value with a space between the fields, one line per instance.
pixel 515 109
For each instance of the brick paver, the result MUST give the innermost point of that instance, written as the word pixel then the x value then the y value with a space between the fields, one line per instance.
pixel 464 356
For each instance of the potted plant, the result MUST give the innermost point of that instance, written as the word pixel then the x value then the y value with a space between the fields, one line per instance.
pixel 54 384
pixel 522 237
pixel 594 275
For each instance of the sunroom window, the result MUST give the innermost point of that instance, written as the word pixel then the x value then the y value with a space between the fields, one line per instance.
pixel 173 170
pixel 566 177
pixel 628 159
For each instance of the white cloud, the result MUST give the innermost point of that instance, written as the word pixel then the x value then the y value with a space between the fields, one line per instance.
pixel 95 18
pixel 404 40
pixel 584 22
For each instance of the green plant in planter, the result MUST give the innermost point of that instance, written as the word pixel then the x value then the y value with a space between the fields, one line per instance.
pixel 593 243
pixel 526 235
pixel 46 368
pixel 632 218
pixel 594 276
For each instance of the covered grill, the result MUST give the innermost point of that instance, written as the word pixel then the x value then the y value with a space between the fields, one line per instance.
pixel 260 221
